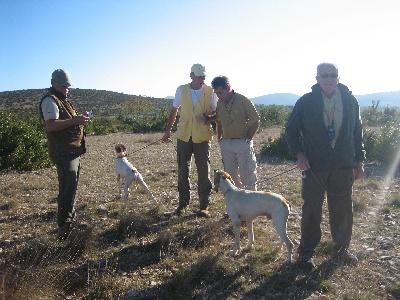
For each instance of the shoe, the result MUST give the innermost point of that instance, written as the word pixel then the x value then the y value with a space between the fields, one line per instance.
pixel 64 230
pixel 305 262
pixel 345 257
pixel 179 210
pixel 203 213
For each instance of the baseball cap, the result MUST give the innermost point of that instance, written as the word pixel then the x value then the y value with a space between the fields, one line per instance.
pixel 199 70
pixel 62 77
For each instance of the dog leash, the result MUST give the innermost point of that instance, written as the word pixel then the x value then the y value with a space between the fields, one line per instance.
pixel 147 146
pixel 269 178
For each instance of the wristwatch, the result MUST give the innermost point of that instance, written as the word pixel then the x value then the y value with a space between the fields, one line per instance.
pixel 248 140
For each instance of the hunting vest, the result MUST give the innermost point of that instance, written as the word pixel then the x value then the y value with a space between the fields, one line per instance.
pixel 188 126
pixel 67 141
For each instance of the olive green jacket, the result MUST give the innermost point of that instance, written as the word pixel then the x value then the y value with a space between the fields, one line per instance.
pixel 306 132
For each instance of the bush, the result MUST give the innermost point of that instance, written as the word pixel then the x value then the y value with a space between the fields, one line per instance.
pixel 274 115
pixel 102 126
pixel 277 147
pixel 382 147
pixel 373 116
pixel 23 145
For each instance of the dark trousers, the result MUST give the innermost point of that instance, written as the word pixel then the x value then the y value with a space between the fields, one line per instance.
pixel 338 188
pixel 201 152
pixel 68 169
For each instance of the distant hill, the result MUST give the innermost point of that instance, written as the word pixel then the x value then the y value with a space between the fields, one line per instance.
pixel 277 98
pixel 107 103
pixel 103 103
pixel 385 99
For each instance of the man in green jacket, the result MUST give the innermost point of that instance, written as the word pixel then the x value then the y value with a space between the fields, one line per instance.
pixel 65 135
pixel 324 132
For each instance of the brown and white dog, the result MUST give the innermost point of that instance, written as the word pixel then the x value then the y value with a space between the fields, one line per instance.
pixel 124 170
pixel 245 205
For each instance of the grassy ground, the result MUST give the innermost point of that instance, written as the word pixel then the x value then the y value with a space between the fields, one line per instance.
pixel 141 254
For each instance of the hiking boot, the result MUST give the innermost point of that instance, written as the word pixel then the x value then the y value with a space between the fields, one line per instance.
pixel 64 230
pixel 179 210
pixel 203 213
pixel 305 262
pixel 345 257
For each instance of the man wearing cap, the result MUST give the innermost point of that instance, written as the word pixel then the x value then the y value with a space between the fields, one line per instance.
pixel 65 135
pixel 193 136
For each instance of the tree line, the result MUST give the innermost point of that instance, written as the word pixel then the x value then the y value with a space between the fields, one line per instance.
pixel 23 144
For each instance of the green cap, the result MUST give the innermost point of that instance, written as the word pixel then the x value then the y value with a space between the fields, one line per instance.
pixel 62 77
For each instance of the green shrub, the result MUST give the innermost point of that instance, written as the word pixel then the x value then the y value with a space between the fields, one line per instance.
pixel 273 115
pixel 388 143
pixel 102 126
pixel 373 116
pixel 23 145
pixel 382 147
pixel 277 147
pixel 371 140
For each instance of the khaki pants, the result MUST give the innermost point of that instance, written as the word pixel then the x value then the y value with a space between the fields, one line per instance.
pixel 239 161
pixel 201 152
pixel 339 190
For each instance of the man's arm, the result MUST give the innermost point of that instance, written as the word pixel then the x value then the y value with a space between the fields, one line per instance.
pixel 57 125
pixel 253 130
pixel 219 131
pixel 171 120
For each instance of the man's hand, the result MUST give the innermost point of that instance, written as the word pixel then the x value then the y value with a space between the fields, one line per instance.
pixel 359 171
pixel 302 161
pixel 201 118
pixel 166 137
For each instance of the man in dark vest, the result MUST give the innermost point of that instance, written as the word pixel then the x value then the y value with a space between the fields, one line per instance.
pixel 65 134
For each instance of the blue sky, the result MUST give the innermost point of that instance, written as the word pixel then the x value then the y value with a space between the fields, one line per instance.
pixel 147 47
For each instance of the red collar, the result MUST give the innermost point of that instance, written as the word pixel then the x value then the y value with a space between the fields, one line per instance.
pixel 121 154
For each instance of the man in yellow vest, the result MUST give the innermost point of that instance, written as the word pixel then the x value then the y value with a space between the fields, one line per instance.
pixel 193 136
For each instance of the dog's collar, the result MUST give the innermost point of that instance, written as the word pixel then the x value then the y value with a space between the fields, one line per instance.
pixel 121 154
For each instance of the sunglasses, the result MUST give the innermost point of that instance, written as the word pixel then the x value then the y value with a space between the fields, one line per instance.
pixel 326 75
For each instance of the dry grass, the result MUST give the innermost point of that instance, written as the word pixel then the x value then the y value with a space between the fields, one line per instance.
pixel 139 254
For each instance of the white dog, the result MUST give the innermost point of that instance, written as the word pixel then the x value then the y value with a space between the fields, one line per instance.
pixel 124 170
pixel 245 205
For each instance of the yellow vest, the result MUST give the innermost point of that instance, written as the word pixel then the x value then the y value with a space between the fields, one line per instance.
pixel 188 126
